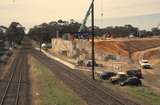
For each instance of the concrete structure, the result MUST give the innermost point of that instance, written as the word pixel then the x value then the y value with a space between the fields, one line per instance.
pixel 80 50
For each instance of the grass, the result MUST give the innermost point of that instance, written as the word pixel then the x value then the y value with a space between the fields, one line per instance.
pixel 143 94
pixel 54 92
pixel 51 90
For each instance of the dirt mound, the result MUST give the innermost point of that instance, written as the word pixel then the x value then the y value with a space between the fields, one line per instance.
pixel 125 47
pixel 155 54
pixel 114 47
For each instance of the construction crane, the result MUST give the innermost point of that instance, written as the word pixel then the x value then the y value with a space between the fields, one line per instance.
pixel 90 12
pixel 86 17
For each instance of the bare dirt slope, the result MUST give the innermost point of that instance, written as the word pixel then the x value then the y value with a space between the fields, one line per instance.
pixel 140 49
pixel 152 76
pixel 123 47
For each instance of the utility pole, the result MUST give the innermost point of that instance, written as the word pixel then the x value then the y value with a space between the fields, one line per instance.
pixel 40 44
pixel 93 44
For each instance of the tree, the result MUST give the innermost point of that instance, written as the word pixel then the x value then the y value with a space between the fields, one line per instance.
pixel 120 31
pixel 156 31
pixel 3 37
pixel 46 31
pixel 15 33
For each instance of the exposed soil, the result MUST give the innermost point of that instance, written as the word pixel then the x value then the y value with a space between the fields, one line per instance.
pixel 140 49
pixel 151 76
pixel 123 47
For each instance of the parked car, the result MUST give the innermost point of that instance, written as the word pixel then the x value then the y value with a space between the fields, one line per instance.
pixel 120 77
pixel 135 72
pixel 43 45
pixel 107 75
pixel 131 81
pixel 145 64
pixel 89 63
pixel 46 45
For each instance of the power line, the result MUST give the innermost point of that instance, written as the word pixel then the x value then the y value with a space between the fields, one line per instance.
pixel 102 13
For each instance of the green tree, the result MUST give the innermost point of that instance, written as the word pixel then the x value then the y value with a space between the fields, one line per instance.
pixel 45 32
pixel 15 33
pixel 156 31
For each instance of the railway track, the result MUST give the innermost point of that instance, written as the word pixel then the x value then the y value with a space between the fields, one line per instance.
pixel 90 91
pixel 15 89
pixel 12 90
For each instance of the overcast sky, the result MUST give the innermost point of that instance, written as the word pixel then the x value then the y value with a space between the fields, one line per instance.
pixel 32 12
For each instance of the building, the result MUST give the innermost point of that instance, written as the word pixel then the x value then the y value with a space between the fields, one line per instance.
pixel 79 49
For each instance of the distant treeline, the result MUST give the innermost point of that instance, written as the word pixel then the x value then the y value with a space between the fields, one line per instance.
pixel 46 31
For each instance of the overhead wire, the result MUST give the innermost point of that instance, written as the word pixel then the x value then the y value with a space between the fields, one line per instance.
pixel 102 14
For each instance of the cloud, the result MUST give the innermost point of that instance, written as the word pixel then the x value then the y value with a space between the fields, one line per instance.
pixel 31 12
pixel 124 8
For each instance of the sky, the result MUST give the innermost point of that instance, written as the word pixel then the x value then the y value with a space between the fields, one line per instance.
pixel 34 12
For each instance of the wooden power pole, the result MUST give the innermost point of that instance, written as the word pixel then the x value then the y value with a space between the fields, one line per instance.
pixel 93 44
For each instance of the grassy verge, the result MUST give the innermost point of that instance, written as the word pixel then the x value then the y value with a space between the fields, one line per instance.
pixel 50 90
pixel 143 94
